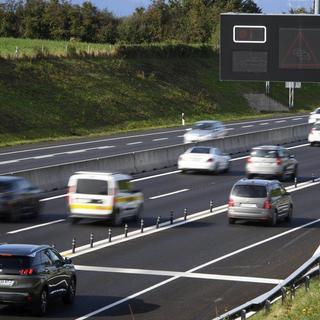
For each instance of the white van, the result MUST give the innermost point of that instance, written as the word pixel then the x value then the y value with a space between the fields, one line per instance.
pixel 101 195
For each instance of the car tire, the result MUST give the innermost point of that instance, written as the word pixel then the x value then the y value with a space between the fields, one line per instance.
pixel 116 218
pixel 312 144
pixel 227 169
pixel 36 209
pixel 273 221
pixel 41 306
pixel 231 220
pixel 14 214
pixel 183 171
pixel 68 298
pixel 249 176
pixel 74 220
pixel 290 213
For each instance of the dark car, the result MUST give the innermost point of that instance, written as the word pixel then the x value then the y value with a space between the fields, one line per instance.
pixel 18 197
pixel 31 275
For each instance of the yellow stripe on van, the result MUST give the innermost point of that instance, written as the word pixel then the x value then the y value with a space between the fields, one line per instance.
pixel 128 199
pixel 89 207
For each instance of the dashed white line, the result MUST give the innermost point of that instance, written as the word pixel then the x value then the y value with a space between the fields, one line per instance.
pixel 44 156
pixel 263 124
pixel 105 147
pixel 180 136
pixel 53 198
pixel 36 226
pixel 229 129
pixel 132 143
pixel 76 151
pixel 248 126
pixel 296 119
pixel 279 121
pixel 168 194
pixel 166 273
pixel 9 161
pixel 160 139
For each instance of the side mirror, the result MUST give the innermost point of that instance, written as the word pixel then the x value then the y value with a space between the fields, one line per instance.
pixel 67 261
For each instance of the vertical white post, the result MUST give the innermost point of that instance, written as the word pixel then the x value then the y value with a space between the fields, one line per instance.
pixel 316 6
pixel 182 119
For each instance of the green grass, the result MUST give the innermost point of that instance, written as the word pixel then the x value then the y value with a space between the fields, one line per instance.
pixel 138 87
pixel 305 306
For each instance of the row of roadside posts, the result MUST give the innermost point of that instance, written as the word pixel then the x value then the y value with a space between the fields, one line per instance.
pixel 126 228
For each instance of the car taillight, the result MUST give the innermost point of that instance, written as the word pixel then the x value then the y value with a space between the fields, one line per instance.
pixel 71 189
pixel 249 160
pixel 210 160
pixel 279 161
pixel 231 203
pixel 267 205
pixel 26 272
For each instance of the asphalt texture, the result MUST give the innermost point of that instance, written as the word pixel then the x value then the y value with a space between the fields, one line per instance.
pixel 195 270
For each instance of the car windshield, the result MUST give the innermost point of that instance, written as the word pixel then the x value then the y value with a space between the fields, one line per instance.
pixel 200 150
pixel 249 191
pixel 91 186
pixel 5 186
pixel 317 111
pixel 264 153
pixel 202 126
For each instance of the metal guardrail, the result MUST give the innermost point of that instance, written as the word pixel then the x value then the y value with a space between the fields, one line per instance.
pixel 287 286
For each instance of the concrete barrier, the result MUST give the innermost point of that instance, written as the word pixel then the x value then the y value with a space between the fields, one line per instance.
pixel 56 177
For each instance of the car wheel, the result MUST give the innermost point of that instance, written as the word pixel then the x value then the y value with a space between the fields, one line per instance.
pixel 14 214
pixel 137 216
pixel 74 220
pixel 227 169
pixel 231 220
pixel 40 308
pixel 312 144
pixel 36 209
pixel 68 298
pixel 183 171
pixel 249 176
pixel 274 219
pixel 290 213
pixel 117 218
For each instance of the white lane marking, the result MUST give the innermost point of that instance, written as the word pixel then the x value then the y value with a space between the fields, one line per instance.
pixel 44 156
pixel 229 129
pixel 36 226
pixel 280 121
pixel 166 273
pixel 77 151
pixel 248 126
pixel 9 161
pixel 156 176
pixel 263 124
pixel 160 139
pixel 167 225
pixel 160 284
pixel 105 147
pixel 296 119
pixel 132 143
pixel 317 252
pixel 168 194
pixel 180 136
pixel 53 198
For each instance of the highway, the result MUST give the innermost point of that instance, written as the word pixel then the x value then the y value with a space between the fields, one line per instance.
pixel 26 157
pixel 194 269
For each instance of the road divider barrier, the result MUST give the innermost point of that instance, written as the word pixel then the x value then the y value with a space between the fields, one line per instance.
pixel 56 177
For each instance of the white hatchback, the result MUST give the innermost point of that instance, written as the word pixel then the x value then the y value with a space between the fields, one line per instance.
pixel 204 158
pixel 314 116
pixel 314 135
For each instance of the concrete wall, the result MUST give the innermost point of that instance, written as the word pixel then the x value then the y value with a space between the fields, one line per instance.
pixel 56 177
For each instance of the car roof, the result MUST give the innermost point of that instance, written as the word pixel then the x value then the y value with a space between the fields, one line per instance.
pixel 21 249
pixel 256 182
pixel 102 175
pixel 268 147
pixel 9 178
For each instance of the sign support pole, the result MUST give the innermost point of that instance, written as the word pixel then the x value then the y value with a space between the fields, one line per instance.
pixel 316 6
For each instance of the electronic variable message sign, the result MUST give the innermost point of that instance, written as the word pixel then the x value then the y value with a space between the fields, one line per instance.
pixel 270 47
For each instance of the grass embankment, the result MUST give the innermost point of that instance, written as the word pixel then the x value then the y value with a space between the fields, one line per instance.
pixel 305 306
pixel 124 88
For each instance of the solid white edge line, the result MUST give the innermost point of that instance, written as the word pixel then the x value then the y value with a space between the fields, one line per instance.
pixel 133 143
pixel 36 226
pixel 263 124
pixel 168 194
pixel 53 198
pixel 168 273
pixel 160 139
pixel 248 126
pixel 130 297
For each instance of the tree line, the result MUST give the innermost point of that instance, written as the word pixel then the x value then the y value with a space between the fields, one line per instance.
pixel 187 21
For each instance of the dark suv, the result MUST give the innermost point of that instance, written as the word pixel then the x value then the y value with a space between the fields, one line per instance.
pixel 32 275
pixel 18 197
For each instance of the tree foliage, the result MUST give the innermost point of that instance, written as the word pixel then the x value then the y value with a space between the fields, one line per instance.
pixel 187 21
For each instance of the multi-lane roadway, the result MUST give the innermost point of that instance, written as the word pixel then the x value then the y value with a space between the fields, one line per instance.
pixel 47 154
pixel 194 269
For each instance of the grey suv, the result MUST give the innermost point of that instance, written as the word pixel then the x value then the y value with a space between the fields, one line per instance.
pixel 262 200
pixel 31 275
pixel 275 161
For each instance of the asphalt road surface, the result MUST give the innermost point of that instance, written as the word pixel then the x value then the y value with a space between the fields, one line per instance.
pixel 194 269
pixel 47 154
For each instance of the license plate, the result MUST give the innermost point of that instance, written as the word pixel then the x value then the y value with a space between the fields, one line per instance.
pixel 249 205
pixel 6 283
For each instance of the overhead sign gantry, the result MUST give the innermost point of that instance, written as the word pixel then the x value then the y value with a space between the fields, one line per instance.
pixel 270 47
